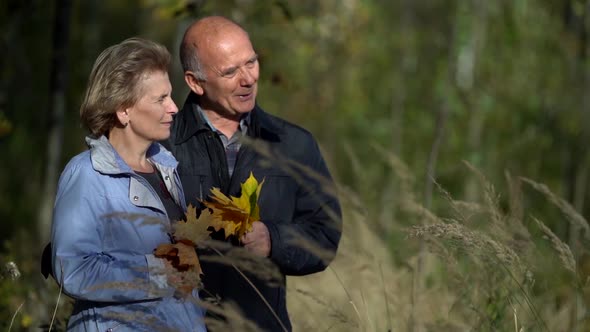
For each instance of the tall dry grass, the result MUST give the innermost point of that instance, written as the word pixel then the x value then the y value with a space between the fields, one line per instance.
pixel 489 267
pixel 491 264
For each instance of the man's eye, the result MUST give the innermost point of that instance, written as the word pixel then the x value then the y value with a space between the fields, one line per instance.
pixel 230 73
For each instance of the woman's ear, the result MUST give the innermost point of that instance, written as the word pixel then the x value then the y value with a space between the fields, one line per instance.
pixel 123 116
pixel 193 83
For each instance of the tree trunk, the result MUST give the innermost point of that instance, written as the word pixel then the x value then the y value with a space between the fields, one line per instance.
pixel 57 87
pixel 467 61
pixel 576 171
pixel 397 111
pixel 440 128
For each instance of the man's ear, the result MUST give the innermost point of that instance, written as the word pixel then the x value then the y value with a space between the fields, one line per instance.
pixel 193 83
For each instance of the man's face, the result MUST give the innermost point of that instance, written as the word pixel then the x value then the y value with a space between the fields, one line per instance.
pixel 232 71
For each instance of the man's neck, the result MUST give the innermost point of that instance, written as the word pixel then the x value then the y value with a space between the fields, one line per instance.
pixel 225 125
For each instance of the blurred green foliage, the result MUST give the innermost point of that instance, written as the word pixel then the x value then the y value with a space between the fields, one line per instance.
pixel 505 82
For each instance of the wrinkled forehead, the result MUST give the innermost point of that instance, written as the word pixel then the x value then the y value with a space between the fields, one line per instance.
pixel 224 34
pixel 230 43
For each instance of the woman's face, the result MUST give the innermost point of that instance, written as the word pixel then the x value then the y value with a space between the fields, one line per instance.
pixel 150 118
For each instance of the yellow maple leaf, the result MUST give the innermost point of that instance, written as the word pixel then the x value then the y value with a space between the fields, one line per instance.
pixel 225 208
pixel 236 214
pixel 249 198
pixel 194 230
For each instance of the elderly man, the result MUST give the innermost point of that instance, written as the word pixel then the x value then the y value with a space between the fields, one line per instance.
pixel 300 224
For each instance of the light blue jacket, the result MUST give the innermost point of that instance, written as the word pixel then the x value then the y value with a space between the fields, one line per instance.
pixel 107 221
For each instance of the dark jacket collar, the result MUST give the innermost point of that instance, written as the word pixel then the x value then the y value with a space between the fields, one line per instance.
pixel 187 122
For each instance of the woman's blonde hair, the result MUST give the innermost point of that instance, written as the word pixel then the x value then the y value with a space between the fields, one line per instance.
pixel 114 81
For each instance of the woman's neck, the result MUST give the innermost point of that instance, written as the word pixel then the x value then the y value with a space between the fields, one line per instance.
pixel 131 150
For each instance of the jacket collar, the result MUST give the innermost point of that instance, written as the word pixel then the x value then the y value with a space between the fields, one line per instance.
pixel 187 122
pixel 106 160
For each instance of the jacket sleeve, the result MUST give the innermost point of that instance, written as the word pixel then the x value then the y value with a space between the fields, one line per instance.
pixel 308 242
pixel 80 265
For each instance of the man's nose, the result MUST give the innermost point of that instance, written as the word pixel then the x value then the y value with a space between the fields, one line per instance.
pixel 248 76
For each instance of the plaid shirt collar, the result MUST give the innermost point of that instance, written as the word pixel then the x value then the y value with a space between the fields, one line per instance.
pixel 244 122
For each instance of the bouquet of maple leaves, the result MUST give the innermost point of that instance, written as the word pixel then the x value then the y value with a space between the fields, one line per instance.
pixel 234 215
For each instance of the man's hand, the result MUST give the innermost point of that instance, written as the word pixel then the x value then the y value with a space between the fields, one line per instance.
pixel 257 240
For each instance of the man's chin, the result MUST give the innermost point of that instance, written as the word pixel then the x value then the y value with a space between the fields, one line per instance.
pixel 243 109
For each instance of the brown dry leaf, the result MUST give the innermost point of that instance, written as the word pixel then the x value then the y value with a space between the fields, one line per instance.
pixel 181 255
pixel 184 269
pixel 186 281
pixel 165 250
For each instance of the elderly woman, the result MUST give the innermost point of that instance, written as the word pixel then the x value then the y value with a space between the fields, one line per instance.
pixel 115 202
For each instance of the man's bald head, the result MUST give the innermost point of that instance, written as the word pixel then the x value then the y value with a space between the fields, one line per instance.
pixel 204 34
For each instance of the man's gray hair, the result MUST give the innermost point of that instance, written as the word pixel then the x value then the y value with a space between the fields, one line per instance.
pixel 189 59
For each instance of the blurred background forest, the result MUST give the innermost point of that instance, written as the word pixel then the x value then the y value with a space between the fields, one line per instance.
pixel 457 131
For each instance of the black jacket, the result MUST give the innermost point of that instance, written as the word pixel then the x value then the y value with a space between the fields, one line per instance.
pixel 294 204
